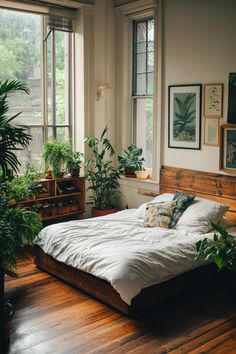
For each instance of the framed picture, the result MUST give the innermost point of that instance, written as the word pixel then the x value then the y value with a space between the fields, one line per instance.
pixel 231 117
pixel 185 116
pixel 228 148
pixel 213 100
pixel 212 131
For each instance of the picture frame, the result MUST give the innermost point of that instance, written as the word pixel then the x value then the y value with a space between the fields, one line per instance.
pixel 228 148
pixel 212 131
pixel 184 116
pixel 231 114
pixel 213 100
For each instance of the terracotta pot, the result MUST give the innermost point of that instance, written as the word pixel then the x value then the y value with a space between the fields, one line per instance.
pixel 141 174
pixel 129 172
pixel 97 212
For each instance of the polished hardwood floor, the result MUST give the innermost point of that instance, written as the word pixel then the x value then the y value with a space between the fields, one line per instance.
pixel 52 317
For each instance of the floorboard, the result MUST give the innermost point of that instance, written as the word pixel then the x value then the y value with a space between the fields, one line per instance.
pixel 52 317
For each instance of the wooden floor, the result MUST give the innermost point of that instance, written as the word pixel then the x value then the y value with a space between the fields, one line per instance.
pixel 52 317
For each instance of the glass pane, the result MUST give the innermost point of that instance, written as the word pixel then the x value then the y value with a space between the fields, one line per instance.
pixel 141 31
pixel 141 63
pixel 150 83
pixel 144 128
pixel 62 133
pixel 150 46
pixel 141 47
pixel 141 84
pixel 20 59
pixel 49 77
pixel 151 30
pixel 150 62
pixel 33 152
pixel 62 77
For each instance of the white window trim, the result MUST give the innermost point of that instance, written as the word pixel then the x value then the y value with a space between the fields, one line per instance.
pixel 127 14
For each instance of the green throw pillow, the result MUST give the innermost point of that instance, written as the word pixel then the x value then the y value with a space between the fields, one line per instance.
pixel 183 201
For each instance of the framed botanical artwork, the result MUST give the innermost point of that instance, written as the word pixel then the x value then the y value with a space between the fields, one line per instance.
pixel 212 131
pixel 228 148
pixel 185 116
pixel 213 100
pixel 231 117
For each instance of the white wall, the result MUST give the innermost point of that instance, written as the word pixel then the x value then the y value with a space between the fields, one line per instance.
pixel 198 47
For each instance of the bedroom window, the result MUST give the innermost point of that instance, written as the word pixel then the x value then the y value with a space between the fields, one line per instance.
pixel 142 93
pixel 37 49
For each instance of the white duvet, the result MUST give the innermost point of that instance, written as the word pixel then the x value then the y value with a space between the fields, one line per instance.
pixel 119 249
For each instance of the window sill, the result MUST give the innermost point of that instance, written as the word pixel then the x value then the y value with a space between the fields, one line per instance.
pixel 146 184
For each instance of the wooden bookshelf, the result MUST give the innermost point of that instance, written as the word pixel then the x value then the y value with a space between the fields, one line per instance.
pixel 64 199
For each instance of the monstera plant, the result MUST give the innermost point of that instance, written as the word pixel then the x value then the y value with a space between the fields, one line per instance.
pixel 18 226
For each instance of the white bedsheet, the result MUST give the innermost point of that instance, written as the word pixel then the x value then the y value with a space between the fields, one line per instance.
pixel 119 249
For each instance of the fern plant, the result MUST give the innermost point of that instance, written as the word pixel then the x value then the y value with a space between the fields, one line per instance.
pixel 222 249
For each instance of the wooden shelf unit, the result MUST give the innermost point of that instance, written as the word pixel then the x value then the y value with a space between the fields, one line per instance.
pixel 59 202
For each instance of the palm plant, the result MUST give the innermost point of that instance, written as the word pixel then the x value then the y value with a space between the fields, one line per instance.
pixel 12 138
pixel 17 226
pixel 100 173
pixel 185 115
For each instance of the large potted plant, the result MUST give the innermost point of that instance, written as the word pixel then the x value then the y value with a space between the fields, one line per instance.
pixel 130 160
pixel 221 250
pixel 17 226
pixel 102 175
pixel 56 154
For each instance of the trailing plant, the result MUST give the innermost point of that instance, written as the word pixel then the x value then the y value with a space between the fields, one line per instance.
pixel 100 172
pixel 222 249
pixel 56 154
pixel 131 159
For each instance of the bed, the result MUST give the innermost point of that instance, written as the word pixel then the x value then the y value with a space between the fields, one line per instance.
pixel 114 260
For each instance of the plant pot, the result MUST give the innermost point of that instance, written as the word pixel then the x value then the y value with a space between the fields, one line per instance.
pixel 129 172
pixel 141 174
pixel 96 212
pixel 75 172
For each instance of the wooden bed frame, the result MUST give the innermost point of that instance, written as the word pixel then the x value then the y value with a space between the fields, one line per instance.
pixel 211 186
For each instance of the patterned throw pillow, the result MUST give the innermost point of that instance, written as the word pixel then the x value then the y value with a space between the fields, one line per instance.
pixel 159 214
pixel 183 201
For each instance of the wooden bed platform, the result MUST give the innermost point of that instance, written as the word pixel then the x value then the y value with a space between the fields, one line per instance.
pixel 211 186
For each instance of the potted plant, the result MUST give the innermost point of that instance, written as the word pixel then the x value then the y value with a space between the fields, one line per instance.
pixel 74 163
pixel 130 160
pixel 17 226
pixel 56 154
pixel 222 249
pixel 102 175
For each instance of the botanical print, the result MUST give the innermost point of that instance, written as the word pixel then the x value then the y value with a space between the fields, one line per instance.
pixel 213 100
pixel 212 131
pixel 230 148
pixel 184 117
pixel 231 99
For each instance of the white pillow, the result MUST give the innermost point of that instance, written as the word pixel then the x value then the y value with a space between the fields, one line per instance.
pixel 198 216
pixel 166 197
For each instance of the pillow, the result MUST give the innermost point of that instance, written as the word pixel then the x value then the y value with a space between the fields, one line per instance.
pixel 140 213
pixel 183 201
pixel 159 214
pixel 198 216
